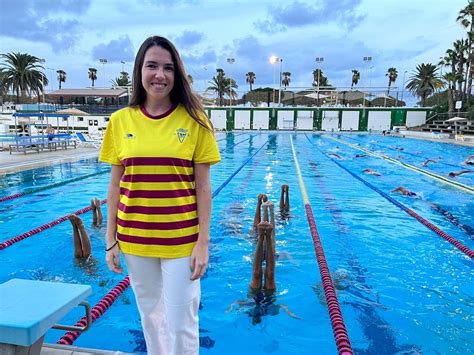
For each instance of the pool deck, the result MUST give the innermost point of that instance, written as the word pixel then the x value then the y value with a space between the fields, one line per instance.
pixel 53 349
pixel 15 162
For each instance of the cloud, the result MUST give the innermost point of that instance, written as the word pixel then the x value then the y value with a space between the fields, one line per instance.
pixel 115 51
pixel 50 21
pixel 299 14
pixel 188 38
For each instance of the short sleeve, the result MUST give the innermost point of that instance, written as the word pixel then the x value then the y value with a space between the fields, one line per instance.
pixel 108 152
pixel 206 151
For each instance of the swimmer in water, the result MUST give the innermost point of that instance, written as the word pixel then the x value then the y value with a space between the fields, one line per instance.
pixel 457 173
pixel 404 191
pixel 427 161
pixel 371 172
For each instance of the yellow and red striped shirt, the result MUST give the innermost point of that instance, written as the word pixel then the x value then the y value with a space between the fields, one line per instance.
pixel 157 212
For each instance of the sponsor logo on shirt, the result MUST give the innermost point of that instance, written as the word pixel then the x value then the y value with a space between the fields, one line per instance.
pixel 129 136
pixel 182 134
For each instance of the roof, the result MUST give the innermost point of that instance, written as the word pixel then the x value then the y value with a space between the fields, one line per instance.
pixel 89 92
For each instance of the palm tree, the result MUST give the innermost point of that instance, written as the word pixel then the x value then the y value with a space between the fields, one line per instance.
pixel 461 49
pixel 392 74
pixel 93 75
pixel 424 81
pixel 466 18
pixel 451 79
pixel 355 77
pixel 122 80
pixel 286 79
pixel 22 74
pixel 218 85
pixel 319 79
pixel 61 77
pixel 250 78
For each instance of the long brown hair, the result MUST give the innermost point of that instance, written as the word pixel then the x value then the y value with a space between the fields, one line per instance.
pixel 181 92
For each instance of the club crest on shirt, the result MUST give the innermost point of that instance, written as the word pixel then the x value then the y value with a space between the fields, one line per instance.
pixel 182 134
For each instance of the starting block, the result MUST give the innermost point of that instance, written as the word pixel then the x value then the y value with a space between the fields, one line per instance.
pixel 29 308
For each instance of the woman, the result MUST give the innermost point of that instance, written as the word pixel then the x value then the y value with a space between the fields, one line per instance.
pixel 159 200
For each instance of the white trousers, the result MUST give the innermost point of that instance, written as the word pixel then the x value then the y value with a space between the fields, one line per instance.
pixel 168 302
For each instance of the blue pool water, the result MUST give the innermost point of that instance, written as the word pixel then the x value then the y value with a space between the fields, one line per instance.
pixel 409 291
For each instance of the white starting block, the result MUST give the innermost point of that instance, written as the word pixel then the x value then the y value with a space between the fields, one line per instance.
pixel 28 309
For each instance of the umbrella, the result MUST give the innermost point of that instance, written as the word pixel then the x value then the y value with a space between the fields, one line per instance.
pixel 314 95
pixel 72 112
pixel 455 119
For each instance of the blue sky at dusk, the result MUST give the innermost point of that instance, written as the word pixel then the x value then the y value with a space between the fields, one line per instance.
pixel 73 35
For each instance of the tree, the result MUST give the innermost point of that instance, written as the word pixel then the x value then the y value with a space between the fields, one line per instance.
pixel 122 80
pixel 218 85
pixel 424 81
pixel 466 18
pixel 319 79
pixel 93 75
pixel 286 79
pixel 250 78
pixel 222 85
pixel 461 49
pixel 355 77
pixel 61 77
pixel 21 74
pixel 451 79
pixel 392 74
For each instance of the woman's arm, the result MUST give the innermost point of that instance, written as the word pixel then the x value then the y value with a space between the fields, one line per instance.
pixel 113 255
pixel 200 254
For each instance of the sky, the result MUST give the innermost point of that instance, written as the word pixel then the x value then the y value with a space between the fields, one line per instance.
pixel 73 35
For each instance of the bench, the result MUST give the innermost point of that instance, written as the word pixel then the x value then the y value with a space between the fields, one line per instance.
pixel 29 308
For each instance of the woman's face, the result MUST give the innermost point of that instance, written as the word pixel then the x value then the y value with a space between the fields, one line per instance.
pixel 158 74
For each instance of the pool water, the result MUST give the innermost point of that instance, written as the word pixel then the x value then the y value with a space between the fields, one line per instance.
pixel 407 290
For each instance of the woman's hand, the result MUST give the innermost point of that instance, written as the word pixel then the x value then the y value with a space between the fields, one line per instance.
pixel 112 257
pixel 199 260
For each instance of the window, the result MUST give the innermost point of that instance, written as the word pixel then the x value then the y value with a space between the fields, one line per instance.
pixel 80 119
pixel 90 122
pixel 96 122
pixel 106 119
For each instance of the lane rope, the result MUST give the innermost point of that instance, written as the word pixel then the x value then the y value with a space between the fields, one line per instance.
pixel 463 248
pixel 437 177
pixel 337 322
pixel 46 226
pixel 97 311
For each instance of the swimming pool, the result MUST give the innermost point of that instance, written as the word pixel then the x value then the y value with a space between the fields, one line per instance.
pixel 408 288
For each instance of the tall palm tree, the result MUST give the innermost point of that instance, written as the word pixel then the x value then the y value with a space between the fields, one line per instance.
pixel 250 78
pixel 392 74
pixel 219 85
pixel 355 77
pixel 451 79
pixel 424 81
pixel 61 77
pixel 22 74
pixel 461 49
pixel 286 79
pixel 93 75
pixel 466 18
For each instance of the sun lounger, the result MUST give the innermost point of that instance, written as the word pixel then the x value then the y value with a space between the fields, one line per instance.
pixel 87 140
pixel 29 308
